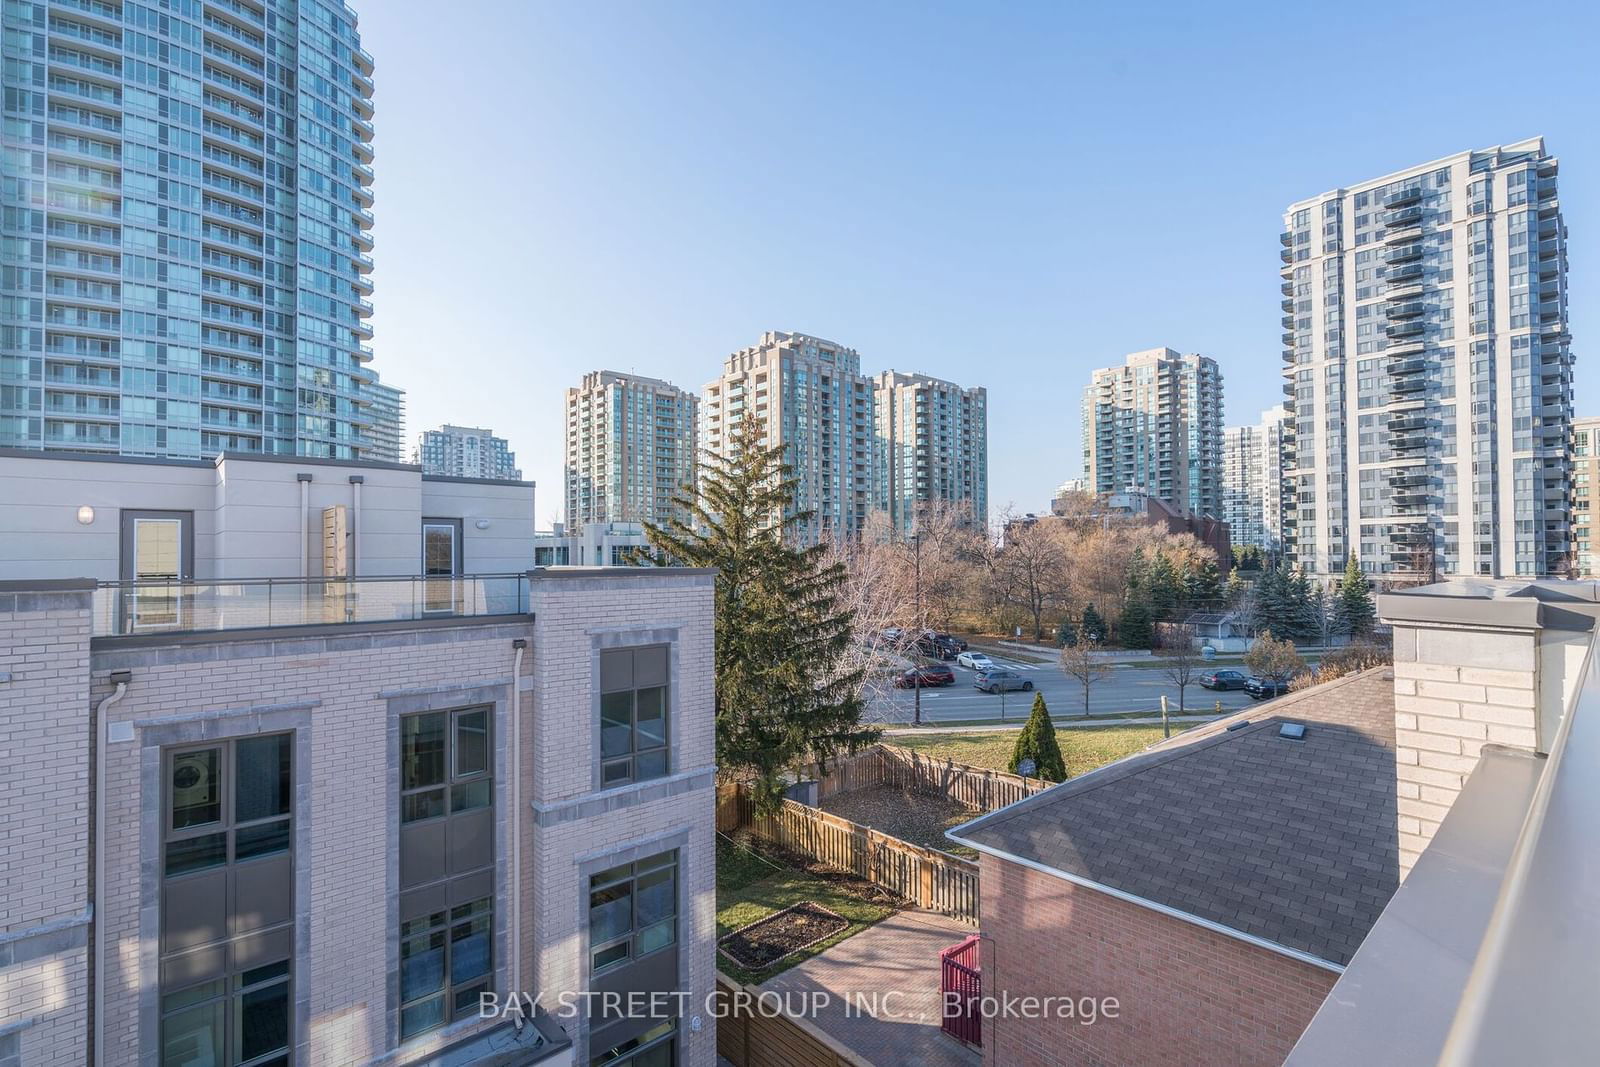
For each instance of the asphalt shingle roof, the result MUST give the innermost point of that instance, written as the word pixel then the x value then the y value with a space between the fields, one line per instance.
pixel 1290 841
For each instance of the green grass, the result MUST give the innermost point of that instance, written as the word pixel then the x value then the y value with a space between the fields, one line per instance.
pixel 749 888
pixel 1083 750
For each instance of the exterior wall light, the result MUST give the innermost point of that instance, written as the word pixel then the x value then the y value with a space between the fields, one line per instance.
pixel 482 524
pixel 86 514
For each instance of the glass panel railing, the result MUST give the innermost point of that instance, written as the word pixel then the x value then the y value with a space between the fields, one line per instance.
pixel 125 609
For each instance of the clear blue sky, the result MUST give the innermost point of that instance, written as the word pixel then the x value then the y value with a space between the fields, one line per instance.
pixel 1005 195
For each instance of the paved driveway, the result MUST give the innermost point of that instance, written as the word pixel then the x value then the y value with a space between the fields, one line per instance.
pixel 900 955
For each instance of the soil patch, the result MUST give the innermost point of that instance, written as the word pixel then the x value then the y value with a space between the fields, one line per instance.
pixel 766 941
pixel 920 818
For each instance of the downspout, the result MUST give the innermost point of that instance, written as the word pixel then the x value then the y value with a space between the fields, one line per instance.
pixel 515 990
pixel 102 739
pixel 355 525
pixel 305 525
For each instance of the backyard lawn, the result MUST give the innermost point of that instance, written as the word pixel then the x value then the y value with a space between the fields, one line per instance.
pixel 751 886
pixel 1084 748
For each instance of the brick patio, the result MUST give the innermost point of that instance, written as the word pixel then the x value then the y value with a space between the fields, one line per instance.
pixel 901 954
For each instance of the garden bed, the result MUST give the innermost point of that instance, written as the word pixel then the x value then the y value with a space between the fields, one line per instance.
pixel 756 879
pixel 766 941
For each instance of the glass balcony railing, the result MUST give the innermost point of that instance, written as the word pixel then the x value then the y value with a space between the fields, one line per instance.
pixel 157 606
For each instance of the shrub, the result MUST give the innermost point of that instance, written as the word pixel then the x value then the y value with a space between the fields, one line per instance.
pixel 1350 659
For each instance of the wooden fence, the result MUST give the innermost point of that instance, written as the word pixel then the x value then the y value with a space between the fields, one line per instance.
pixel 748 1037
pixel 934 880
pixel 974 788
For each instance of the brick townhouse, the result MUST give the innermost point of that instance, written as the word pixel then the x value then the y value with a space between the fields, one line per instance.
pixel 1395 867
pixel 317 820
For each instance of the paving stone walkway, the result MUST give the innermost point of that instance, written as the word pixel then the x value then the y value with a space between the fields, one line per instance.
pixel 899 954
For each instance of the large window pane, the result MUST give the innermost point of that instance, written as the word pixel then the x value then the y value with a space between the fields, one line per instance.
pixel 261 782
pixel 263 840
pixel 196 788
pixel 421 966
pixel 422 1017
pixel 616 724
pixel 194 1037
pixel 657 896
pixel 472 742
pixel 196 853
pixel 469 950
pixel 422 750
pixel 610 912
pixel 264 1020
pixel 652 717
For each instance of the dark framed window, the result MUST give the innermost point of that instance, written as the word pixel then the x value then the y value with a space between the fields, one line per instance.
pixel 633 911
pixel 445 763
pixel 446 866
pixel 227 903
pixel 656 1047
pixel 227 803
pixel 446 961
pixel 634 712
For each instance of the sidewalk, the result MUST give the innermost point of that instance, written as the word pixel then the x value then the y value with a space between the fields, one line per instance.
pixel 899 955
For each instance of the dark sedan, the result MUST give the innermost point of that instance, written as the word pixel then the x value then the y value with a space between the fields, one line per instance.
pixel 1224 679
pixel 1264 688
pixel 929 677
pixel 999 681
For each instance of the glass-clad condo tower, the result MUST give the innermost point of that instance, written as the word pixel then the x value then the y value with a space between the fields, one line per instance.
pixel 186 227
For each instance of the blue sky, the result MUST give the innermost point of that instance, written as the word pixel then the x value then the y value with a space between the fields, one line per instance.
pixel 1004 195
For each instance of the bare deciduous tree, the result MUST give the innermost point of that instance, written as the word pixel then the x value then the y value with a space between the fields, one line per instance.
pixel 1082 664
pixel 1182 658
pixel 1031 569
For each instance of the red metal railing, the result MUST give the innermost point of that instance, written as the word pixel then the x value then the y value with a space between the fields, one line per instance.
pixel 961 990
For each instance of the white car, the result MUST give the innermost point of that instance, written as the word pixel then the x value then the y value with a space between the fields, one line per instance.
pixel 975 660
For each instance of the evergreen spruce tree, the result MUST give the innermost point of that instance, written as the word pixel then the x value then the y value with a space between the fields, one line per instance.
pixel 1066 633
pixel 1234 591
pixel 1037 742
pixel 1202 587
pixel 1271 606
pixel 1354 610
pixel 782 699
pixel 1162 589
pixel 1303 623
pixel 1136 630
pixel 1094 625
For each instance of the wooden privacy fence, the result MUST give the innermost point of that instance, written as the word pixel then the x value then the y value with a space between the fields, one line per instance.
pixel 934 880
pixel 974 788
pixel 750 1033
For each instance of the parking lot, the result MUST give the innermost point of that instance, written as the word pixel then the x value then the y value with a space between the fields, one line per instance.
pixel 1126 688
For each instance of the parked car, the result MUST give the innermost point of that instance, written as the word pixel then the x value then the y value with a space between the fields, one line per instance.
pixel 1223 679
pixel 926 677
pixel 1001 681
pixel 975 661
pixel 929 646
pixel 1262 688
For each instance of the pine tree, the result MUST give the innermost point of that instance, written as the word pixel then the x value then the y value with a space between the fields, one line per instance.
pixel 782 700
pixel 1271 600
pixel 1094 626
pixel 1353 609
pixel 1037 742
pixel 1303 623
pixel 1066 633
pixel 1234 591
pixel 1136 631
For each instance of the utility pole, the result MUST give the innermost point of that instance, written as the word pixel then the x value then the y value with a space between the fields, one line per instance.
pixel 916 555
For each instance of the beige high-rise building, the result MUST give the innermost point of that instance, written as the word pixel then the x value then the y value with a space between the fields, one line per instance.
pixel 933 445
pixel 810 396
pixel 1155 424
pixel 1428 365
pixel 630 448
pixel 1585 476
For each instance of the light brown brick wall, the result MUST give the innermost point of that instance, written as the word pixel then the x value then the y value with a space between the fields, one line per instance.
pixel 1186 995
pixel 44 794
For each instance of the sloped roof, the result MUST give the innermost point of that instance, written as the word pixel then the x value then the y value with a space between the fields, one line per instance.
pixel 1291 842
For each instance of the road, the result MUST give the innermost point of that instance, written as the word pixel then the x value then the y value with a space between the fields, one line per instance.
pixel 1125 688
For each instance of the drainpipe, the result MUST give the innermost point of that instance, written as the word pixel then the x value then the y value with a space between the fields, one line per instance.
pixel 521 645
pixel 102 739
pixel 355 524
pixel 305 524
